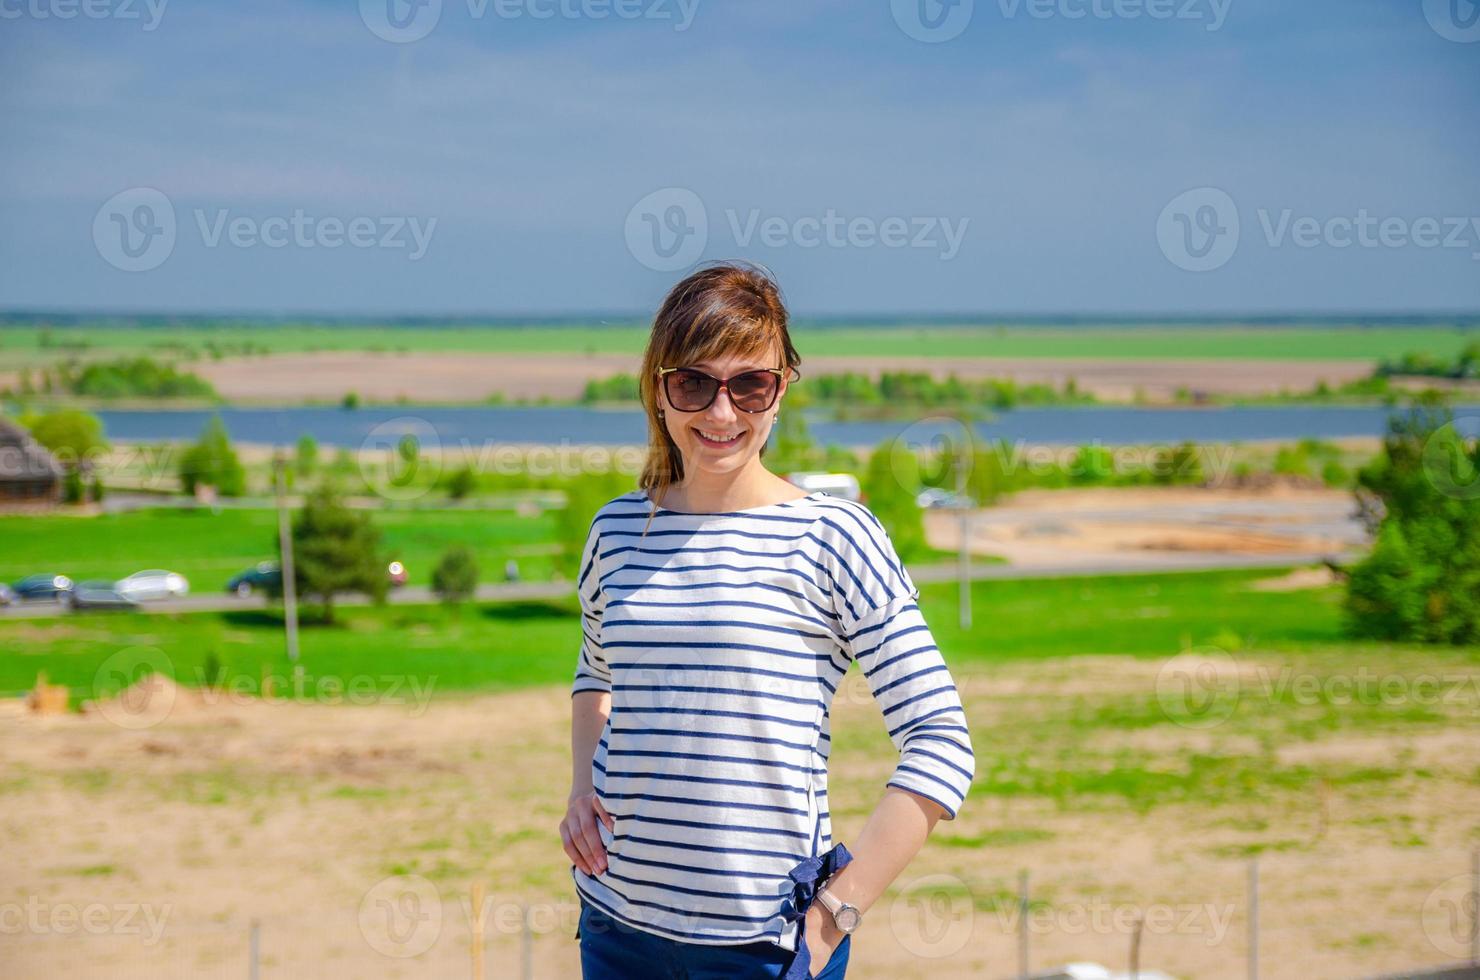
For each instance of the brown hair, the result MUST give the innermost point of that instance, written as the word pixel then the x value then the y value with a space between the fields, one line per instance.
pixel 733 308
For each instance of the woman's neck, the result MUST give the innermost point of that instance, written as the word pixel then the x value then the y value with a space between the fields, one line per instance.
pixel 724 492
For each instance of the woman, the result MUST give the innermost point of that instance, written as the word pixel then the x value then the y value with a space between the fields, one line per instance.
pixel 721 609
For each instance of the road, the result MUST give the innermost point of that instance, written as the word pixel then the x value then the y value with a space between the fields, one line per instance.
pixel 412 595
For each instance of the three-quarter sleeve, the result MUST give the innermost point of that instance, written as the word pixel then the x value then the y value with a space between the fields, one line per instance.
pixel 592 673
pixel 884 630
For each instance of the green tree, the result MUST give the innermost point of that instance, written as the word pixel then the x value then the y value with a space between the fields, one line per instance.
pixel 1422 580
pixel 306 455
pixel 893 501
pixel 335 550
pixel 461 482
pixel 73 436
pixel 213 462
pixel 455 578
pixel 585 495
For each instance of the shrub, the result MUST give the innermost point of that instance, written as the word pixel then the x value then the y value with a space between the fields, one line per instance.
pixel 455 578
pixel 1422 579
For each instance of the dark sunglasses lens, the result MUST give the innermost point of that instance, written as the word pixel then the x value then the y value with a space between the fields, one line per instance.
pixel 753 392
pixel 690 391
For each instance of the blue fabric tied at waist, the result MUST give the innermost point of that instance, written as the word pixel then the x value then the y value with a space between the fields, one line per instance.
pixel 806 877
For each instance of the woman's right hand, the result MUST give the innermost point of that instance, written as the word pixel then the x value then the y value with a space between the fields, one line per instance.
pixel 580 834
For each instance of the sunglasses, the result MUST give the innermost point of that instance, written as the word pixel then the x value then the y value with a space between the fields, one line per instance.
pixel 689 390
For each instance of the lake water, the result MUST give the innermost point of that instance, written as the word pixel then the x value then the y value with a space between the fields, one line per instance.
pixel 492 425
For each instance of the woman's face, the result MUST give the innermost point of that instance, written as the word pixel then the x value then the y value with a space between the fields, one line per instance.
pixel 690 431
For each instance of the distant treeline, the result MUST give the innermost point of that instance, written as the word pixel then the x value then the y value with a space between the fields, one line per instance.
pixel 126 377
pixel 913 388
pixel 1464 366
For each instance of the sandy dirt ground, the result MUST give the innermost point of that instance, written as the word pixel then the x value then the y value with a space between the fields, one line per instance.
pixel 1127 527
pixel 354 836
pixel 475 376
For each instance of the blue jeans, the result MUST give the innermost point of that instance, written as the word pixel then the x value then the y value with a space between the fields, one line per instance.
pixel 614 950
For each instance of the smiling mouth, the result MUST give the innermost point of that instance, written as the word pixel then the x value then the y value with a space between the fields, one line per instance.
pixel 719 443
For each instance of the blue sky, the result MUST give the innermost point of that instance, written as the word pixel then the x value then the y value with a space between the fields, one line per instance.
pixel 1034 162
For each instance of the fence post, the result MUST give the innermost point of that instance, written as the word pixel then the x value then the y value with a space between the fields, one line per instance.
pixel 1253 918
pixel 477 899
pixel 527 945
pixel 254 950
pixel 1475 907
pixel 1023 925
pixel 1136 947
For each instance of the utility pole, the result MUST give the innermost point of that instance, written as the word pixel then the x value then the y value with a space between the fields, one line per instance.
pixel 964 592
pixel 285 541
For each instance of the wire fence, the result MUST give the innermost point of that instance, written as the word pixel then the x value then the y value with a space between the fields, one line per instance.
pixel 1273 916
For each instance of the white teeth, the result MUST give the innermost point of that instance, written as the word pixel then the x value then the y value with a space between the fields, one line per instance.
pixel 719 438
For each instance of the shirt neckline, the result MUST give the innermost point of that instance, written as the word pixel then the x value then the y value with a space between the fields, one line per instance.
pixel 745 512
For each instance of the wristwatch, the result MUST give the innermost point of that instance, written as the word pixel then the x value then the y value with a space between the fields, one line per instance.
pixel 846 916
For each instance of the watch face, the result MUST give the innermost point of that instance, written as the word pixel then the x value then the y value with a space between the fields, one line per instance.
pixel 847 918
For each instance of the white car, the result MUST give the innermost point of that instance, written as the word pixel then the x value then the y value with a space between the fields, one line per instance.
pixel 153 583
pixel 844 485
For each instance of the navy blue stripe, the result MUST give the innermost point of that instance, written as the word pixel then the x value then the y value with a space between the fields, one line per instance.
pixel 715 780
pixel 648 709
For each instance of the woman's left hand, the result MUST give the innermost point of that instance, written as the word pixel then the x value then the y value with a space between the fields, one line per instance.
pixel 823 937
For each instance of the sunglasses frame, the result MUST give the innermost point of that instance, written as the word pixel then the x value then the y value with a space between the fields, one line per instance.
pixel 724 385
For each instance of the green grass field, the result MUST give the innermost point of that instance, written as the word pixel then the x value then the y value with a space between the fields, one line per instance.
pixel 22 344
pixel 210 548
pixel 506 646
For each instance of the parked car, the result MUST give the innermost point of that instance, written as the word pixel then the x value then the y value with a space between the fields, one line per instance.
pixel 263 575
pixel 844 485
pixel 97 594
pixel 268 574
pixel 7 595
pixel 938 497
pixel 153 583
pixel 39 588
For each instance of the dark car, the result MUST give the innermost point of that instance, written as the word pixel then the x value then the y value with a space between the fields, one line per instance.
pixel 262 576
pixel 269 575
pixel 43 588
pixel 97 594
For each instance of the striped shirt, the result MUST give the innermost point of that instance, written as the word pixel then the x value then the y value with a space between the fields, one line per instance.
pixel 722 639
